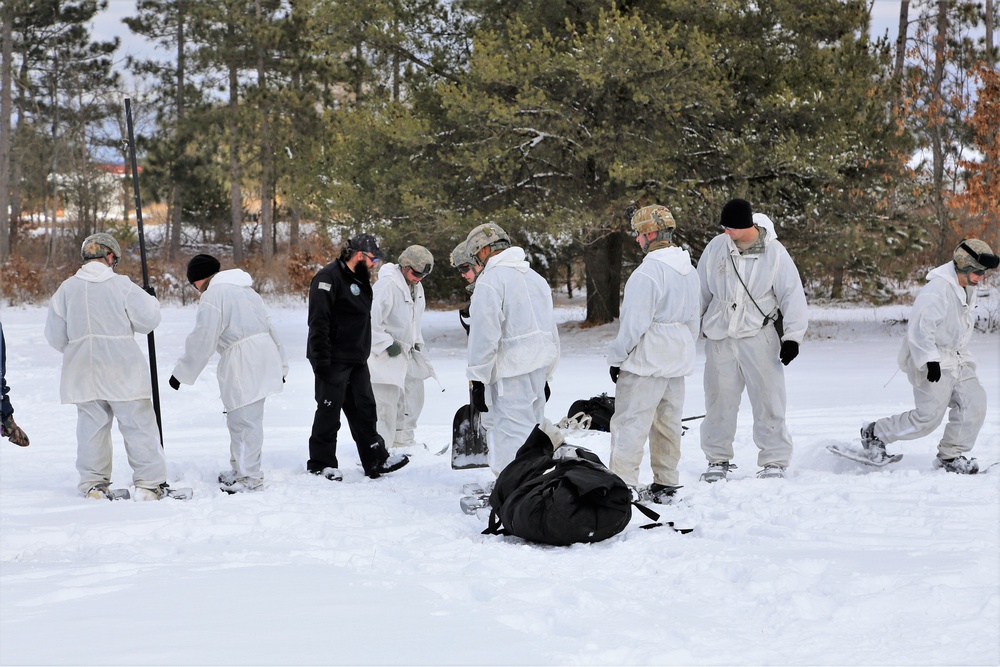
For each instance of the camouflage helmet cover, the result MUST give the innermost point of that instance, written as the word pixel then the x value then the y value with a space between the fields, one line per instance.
pixel 974 255
pixel 460 256
pixel 417 258
pixel 97 246
pixel 486 235
pixel 653 218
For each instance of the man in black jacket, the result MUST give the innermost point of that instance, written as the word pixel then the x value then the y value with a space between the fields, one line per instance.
pixel 340 339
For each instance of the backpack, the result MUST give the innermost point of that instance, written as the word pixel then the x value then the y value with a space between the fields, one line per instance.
pixel 559 497
pixel 600 408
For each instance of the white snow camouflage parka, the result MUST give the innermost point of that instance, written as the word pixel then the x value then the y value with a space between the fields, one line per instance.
pixel 233 321
pixel 513 327
pixel 660 317
pixel 92 319
pixel 396 316
pixel 941 322
pixel 771 278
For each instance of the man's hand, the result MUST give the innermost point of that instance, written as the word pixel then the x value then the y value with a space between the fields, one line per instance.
pixel 395 349
pixel 789 350
pixel 933 371
pixel 615 370
pixel 479 396
pixel 174 383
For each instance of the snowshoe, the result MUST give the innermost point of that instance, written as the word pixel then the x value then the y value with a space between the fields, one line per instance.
pixel 472 503
pixel 162 491
pixel 876 457
pixel 105 492
pixel 959 465
pixel 477 489
pixel 771 471
pixel 241 485
pixel 661 494
pixel 717 470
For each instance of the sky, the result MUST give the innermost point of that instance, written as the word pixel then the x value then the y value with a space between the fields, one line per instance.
pixel 839 564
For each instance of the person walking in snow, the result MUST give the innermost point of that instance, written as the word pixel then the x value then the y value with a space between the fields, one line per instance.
pixel 338 347
pixel 8 427
pixel 939 366
pixel 513 343
pixel 233 321
pixel 653 351
pixel 92 320
pixel 397 363
pixel 749 289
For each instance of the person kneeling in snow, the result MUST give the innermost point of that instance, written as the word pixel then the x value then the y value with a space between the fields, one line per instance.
pixel 937 361
pixel 233 320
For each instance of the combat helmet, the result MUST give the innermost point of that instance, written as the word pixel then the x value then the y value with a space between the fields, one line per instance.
pixel 653 218
pixel 974 255
pixel 97 246
pixel 487 235
pixel 419 259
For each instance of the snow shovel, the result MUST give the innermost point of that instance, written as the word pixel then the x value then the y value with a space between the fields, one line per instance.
pixel 468 439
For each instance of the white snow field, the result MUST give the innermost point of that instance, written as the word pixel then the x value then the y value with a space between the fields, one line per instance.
pixel 839 564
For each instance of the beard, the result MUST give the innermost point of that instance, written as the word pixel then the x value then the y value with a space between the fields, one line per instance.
pixel 362 272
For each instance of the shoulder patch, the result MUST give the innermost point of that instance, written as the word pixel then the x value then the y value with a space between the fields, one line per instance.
pixel 325 286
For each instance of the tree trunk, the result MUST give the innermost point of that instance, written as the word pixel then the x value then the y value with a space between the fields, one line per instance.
pixel 6 77
pixel 266 159
pixel 235 197
pixel 602 258
pixel 837 289
pixel 904 22
pixel 177 217
pixel 991 59
pixel 937 125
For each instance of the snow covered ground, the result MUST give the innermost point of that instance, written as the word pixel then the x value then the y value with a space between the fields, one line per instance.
pixel 836 565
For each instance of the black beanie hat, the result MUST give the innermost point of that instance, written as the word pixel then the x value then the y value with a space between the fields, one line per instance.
pixel 202 266
pixel 737 214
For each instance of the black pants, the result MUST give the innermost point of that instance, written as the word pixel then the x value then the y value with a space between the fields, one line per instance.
pixel 347 387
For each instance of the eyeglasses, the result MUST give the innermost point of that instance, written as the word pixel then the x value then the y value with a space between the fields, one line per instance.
pixel 417 275
pixel 371 258
pixel 464 268
pixel 979 272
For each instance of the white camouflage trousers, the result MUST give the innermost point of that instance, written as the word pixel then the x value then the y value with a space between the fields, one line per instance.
pixel 732 364
pixel 246 439
pixel 647 408
pixel 409 411
pixel 388 405
pixel 959 390
pixel 137 424
pixel 516 404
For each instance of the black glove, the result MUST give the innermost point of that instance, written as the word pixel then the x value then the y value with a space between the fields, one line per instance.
pixel 175 384
pixel 789 350
pixel 548 392
pixel 149 290
pixel 479 396
pixel 615 370
pixel 933 371
pixel 394 350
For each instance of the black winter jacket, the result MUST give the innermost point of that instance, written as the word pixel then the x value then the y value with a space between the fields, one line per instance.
pixel 340 325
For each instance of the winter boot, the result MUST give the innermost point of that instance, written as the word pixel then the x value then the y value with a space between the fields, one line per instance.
pixel 391 463
pixel 960 465
pixel 332 474
pixel 873 446
pixel 661 494
pixel 717 470
pixel 771 471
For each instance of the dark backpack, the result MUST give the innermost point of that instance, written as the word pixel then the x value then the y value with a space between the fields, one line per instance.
pixel 600 408
pixel 559 497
